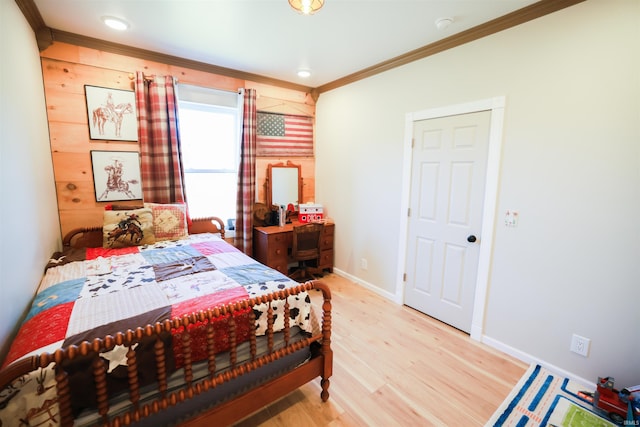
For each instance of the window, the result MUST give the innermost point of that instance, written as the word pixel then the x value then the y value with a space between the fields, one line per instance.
pixel 210 123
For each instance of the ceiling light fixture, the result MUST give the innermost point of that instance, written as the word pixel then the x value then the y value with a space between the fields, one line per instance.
pixel 306 7
pixel 115 23
pixel 442 23
pixel 304 73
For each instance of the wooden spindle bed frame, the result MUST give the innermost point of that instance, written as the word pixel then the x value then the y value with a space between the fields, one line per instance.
pixel 228 411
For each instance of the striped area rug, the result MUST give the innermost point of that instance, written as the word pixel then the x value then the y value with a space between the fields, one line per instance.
pixel 542 398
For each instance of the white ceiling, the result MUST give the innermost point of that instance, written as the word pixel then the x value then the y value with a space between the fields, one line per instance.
pixel 268 38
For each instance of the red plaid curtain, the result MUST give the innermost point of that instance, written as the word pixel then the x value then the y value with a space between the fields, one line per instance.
pixel 247 175
pixel 161 164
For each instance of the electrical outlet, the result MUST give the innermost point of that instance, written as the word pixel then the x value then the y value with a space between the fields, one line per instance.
pixel 580 345
pixel 363 263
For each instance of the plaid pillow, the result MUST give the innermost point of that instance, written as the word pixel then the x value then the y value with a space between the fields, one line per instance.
pixel 169 220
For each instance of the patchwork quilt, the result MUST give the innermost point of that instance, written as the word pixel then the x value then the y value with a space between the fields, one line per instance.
pixel 93 292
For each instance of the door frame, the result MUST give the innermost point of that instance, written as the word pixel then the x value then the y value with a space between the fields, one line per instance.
pixel 496 105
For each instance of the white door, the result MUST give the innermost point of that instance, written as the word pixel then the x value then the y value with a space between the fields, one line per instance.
pixel 448 173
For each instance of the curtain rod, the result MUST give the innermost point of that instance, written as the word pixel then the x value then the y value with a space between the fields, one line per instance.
pixel 152 77
pixel 147 77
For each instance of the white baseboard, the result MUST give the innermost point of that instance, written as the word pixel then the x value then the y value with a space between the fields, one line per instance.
pixel 527 358
pixel 369 286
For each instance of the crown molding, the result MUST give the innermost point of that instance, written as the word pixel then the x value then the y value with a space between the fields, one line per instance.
pixel 520 16
pixel 40 29
pixel 31 12
pixel 106 46
pixel 45 36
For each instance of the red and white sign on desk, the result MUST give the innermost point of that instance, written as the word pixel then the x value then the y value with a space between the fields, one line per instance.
pixel 310 212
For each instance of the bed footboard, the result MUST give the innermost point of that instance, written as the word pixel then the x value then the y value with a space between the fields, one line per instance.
pixel 319 365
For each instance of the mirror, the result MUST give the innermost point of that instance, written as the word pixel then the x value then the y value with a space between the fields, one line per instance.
pixel 284 184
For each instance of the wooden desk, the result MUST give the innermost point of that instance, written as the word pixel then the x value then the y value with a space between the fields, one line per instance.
pixel 272 246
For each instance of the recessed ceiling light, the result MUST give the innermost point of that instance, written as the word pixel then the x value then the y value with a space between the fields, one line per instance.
pixel 304 73
pixel 115 23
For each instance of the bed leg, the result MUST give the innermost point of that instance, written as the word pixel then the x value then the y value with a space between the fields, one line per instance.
pixel 325 389
pixel 326 350
pixel 64 397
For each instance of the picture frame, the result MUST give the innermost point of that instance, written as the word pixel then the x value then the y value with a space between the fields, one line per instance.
pixel 111 113
pixel 116 175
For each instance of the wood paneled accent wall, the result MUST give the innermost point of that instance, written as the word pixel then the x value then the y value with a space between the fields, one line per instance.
pixel 67 68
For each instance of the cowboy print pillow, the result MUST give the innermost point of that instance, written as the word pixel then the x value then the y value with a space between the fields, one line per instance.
pixel 127 228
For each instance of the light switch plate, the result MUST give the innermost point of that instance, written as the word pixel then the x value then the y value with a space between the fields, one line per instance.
pixel 511 218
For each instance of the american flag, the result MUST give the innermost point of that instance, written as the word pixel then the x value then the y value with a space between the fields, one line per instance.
pixel 284 135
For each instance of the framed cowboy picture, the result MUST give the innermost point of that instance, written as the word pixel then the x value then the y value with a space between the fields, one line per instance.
pixel 116 175
pixel 112 114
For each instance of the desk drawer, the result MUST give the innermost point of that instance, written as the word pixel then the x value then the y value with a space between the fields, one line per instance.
pixel 278 243
pixel 277 251
pixel 326 259
pixel 326 241
pixel 277 247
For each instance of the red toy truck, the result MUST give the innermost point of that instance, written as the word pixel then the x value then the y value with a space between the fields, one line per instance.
pixel 615 403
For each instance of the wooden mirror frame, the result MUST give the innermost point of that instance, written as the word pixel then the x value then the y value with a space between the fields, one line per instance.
pixel 269 181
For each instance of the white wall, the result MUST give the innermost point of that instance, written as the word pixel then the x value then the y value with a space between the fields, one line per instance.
pixel 29 226
pixel 570 165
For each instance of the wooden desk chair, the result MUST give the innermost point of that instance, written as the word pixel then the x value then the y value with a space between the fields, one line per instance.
pixel 305 250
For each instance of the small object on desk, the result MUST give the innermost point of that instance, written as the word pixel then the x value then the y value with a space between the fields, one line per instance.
pixel 260 213
pixel 291 211
pixel 310 212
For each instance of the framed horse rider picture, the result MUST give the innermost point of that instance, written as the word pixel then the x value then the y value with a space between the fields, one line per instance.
pixel 116 175
pixel 112 114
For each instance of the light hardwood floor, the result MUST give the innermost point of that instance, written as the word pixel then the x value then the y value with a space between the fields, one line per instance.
pixel 394 366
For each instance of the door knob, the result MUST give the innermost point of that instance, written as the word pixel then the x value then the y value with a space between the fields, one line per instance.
pixel 471 239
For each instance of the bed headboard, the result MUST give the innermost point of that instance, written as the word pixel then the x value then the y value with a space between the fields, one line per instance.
pixel 91 237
